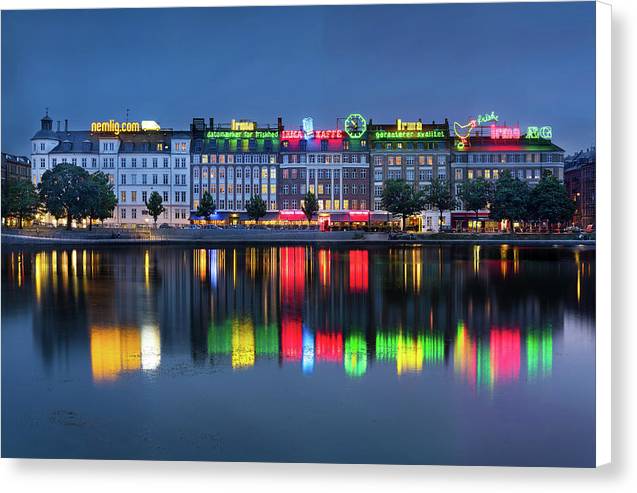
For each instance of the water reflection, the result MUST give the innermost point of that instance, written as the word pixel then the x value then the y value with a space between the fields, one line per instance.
pixel 486 315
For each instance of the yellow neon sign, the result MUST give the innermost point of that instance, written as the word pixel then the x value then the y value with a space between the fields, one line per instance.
pixel 410 126
pixel 243 126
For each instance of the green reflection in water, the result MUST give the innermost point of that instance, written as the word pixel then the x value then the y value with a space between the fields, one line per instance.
pixel 539 353
pixel 355 355
pixel 267 340
pixel 409 351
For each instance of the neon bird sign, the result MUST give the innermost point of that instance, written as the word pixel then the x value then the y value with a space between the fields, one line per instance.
pixel 463 132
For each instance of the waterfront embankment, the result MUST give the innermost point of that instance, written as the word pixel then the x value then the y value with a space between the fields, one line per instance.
pixel 109 236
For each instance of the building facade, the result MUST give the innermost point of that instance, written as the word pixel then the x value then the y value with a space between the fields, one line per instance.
pixel 333 165
pixel 15 167
pixel 136 161
pixel 410 151
pixel 234 162
pixel 579 179
pixel 488 150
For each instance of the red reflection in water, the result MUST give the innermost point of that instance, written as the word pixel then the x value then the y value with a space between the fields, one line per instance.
pixel 292 268
pixel 504 346
pixel 291 338
pixel 358 271
pixel 329 346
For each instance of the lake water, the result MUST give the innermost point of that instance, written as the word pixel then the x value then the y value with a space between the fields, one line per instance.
pixel 413 355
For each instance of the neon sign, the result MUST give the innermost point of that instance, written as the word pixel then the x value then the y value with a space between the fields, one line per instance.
pixel 318 134
pixel 463 132
pixel 328 134
pixel 241 125
pixel 257 134
pixel 487 117
pixel 308 127
pixel 355 125
pixel 401 125
pixel 539 132
pixel 292 134
pixel 424 134
pixel 114 127
pixel 504 132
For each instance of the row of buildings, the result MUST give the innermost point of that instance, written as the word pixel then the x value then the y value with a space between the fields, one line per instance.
pixel 345 167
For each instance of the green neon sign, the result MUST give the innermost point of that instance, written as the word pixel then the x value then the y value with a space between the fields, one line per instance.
pixel 257 134
pixel 355 125
pixel 545 132
pixel 487 117
pixel 413 134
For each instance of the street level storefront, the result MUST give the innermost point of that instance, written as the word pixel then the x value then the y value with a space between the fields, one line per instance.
pixel 468 222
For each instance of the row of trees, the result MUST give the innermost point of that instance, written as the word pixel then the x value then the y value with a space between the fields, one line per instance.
pixel 508 198
pixel 66 192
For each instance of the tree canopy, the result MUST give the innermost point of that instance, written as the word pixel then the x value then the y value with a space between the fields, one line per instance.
pixel 438 196
pixel 99 200
pixel 256 207
pixel 549 201
pixel 20 200
pixel 310 206
pixel 476 194
pixel 401 198
pixel 62 192
pixel 155 206
pixel 206 206
pixel 510 199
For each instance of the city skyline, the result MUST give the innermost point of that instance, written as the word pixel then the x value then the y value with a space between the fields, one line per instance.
pixel 306 68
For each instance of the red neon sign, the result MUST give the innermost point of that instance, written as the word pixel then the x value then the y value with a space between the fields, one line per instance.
pixel 505 132
pixel 292 134
pixel 328 134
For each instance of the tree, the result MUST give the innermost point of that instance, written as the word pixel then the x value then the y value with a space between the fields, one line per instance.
pixel 438 196
pixel 510 199
pixel 62 192
pixel 549 201
pixel 399 197
pixel 100 200
pixel 206 206
pixel 310 206
pixel 256 207
pixel 20 200
pixel 475 195
pixel 155 206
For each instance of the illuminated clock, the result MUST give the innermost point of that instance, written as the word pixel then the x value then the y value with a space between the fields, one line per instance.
pixel 355 125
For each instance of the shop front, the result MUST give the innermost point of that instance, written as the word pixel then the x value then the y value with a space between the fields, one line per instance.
pixel 467 222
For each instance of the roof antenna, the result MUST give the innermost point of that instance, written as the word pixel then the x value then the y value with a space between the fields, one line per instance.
pixel 47 111
pixel 127 110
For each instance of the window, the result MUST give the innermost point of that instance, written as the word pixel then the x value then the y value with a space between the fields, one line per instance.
pixel 133 196
pixel 154 162
pixel 144 196
pixel 144 180
pixel 123 179
pixel 123 196
pixel 165 196
pixel 133 162
pixel 144 162
pixel 459 174
pixel 122 213
pixel 83 163
pixel 155 179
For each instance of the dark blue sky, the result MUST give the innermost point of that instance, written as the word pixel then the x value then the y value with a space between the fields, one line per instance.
pixel 531 63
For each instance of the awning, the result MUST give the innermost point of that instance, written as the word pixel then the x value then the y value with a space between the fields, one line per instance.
pixel 292 215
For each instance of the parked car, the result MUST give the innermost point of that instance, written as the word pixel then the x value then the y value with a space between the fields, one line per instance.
pixel 165 226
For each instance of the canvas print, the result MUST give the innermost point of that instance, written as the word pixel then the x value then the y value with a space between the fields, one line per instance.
pixel 333 234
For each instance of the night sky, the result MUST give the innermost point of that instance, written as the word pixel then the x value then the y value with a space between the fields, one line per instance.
pixel 530 63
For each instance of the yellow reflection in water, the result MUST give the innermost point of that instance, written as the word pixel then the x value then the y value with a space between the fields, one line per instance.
pixel 114 350
pixel 242 343
pixel 578 264
pixel 476 259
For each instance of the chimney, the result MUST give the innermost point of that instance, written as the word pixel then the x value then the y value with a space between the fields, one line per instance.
pixel 279 122
pixel 419 120
pixel 211 123
pixel 66 125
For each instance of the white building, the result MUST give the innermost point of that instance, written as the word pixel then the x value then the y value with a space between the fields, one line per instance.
pixel 137 163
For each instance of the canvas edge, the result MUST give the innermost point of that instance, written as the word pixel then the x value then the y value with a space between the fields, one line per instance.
pixel 603 15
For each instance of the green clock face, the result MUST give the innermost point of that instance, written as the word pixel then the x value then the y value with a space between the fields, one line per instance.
pixel 355 125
